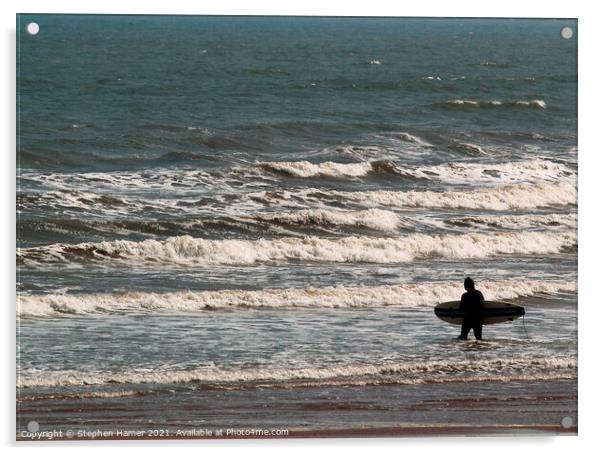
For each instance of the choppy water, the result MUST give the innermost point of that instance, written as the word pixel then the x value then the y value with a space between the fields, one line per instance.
pixel 261 201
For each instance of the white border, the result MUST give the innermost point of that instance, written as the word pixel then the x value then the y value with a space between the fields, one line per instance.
pixel 590 144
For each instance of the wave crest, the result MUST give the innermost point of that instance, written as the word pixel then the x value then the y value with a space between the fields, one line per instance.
pixel 305 169
pixel 381 220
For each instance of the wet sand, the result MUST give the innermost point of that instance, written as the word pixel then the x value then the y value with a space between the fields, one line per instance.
pixel 191 412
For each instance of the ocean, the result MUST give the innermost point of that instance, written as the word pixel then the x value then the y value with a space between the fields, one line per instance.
pixel 246 222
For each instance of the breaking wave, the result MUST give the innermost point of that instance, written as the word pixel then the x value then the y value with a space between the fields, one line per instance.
pixel 186 250
pixel 508 197
pixel 388 221
pixel 305 169
pixel 152 180
pixel 402 295
pixel 119 192
pixel 536 170
pixel 518 221
pixel 381 220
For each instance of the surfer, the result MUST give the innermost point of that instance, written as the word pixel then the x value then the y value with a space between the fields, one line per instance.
pixel 472 305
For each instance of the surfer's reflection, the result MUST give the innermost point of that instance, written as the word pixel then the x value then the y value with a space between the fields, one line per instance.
pixel 472 305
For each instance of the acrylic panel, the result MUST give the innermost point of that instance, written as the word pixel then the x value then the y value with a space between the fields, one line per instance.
pixel 241 226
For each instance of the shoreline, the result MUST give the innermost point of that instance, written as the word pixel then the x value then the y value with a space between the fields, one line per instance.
pixel 426 410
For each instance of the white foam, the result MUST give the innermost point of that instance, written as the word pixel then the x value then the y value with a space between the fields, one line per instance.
pixel 130 188
pixel 459 102
pixel 535 170
pixel 509 197
pixel 388 221
pixel 409 372
pixel 305 169
pixel 539 104
pixel 407 295
pixel 164 179
pixel 79 200
pixel 189 251
pixel 536 104
pixel 382 220
pixel 521 221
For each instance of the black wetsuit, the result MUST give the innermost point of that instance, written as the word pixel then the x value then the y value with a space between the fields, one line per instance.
pixel 472 305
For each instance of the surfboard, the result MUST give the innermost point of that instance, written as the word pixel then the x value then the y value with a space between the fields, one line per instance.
pixel 493 312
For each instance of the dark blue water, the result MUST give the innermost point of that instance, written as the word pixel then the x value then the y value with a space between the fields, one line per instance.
pixel 125 91
pixel 316 183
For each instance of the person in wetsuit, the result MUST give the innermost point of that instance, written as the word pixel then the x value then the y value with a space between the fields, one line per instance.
pixel 472 305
